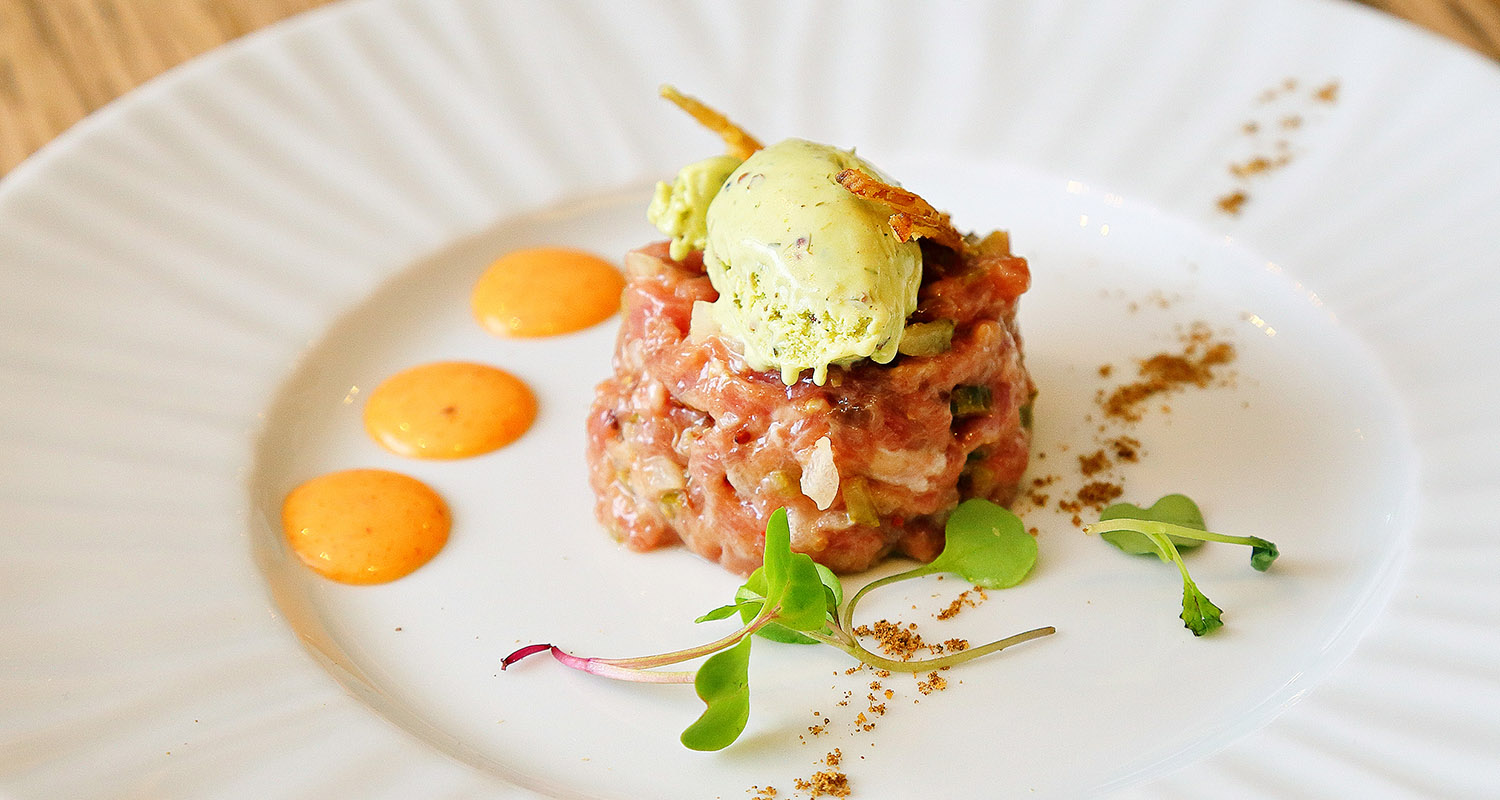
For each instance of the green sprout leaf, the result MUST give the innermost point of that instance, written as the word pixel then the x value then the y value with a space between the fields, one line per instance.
pixel 1261 555
pixel 1199 613
pixel 793 599
pixel 1176 509
pixel 804 600
pixel 986 545
pixel 1175 521
pixel 794 588
pixel 835 594
pixel 750 598
pixel 777 556
pixel 742 605
pixel 723 684
pixel 789 583
pixel 1176 517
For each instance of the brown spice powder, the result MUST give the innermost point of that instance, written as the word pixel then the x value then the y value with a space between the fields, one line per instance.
pixel 825 784
pixel 965 598
pixel 1126 448
pixel 1254 166
pixel 1093 463
pixel 1098 494
pixel 1037 498
pixel 1168 372
pixel 893 639
pixel 1233 202
pixel 934 683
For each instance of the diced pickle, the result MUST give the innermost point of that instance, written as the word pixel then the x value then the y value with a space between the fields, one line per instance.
pixel 968 401
pixel 996 243
pixel 1026 408
pixel 858 504
pixel 977 480
pixel 926 338
pixel 784 482
pixel 672 503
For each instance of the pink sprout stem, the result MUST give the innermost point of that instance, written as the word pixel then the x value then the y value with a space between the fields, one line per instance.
pixel 605 669
pixel 595 666
pixel 639 669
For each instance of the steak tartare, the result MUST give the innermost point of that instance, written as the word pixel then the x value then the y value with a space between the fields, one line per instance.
pixel 687 443
pixel 813 337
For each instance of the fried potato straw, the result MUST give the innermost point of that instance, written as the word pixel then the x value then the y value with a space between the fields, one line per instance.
pixel 913 217
pixel 740 144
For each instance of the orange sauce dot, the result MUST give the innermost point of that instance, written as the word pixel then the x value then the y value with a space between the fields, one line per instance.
pixel 449 409
pixel 365 525
pixel 545 291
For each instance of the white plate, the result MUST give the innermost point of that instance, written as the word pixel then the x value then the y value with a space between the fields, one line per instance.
pixel 198 277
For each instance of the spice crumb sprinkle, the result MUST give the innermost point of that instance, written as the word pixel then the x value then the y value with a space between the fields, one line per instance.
pixel 934 683
pixel 1233 203
pixel 965 598
pixel 829 783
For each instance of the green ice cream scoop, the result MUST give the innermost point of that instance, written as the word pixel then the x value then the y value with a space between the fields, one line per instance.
pixel 808 274
pixel 680 208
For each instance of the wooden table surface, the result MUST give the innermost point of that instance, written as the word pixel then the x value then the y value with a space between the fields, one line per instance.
pixel 61 59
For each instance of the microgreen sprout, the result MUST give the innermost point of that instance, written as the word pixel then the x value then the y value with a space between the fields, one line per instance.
pixel 1173 522
pixel 792 599
pixel 984 544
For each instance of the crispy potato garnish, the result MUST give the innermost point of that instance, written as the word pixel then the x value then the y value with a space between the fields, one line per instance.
pixel 740 144
pixel 913 217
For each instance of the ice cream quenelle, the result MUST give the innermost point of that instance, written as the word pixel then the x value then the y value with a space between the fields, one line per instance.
pixel 809 275
pixel 680 208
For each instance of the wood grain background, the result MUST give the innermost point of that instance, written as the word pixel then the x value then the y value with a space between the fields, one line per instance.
pixel 61 59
